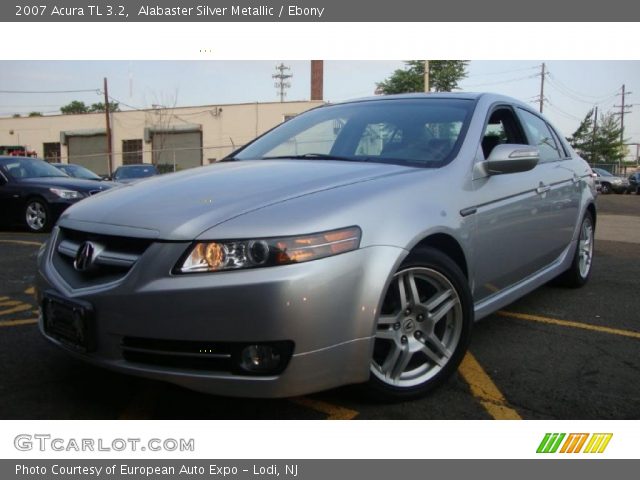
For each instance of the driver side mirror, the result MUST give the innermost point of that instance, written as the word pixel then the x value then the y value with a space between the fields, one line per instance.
pixel 511 158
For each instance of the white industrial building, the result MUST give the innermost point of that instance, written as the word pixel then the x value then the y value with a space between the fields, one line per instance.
pixel 173 138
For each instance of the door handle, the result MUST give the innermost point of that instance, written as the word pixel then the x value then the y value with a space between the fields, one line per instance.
pixel 543 189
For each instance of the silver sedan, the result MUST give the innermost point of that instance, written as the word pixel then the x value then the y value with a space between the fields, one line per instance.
pixel 357 242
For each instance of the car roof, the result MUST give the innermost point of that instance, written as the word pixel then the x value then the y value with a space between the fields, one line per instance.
pixel 435 95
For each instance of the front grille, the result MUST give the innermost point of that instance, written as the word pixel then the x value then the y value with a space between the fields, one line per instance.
pixel 113 257
pixel 220 357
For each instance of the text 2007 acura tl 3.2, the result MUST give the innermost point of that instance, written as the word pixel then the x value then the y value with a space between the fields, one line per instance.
pixel 357 242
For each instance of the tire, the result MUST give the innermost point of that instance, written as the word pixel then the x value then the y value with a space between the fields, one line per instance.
pixel 580 270
pixel 605 188
pixel 37 216
pixel 420 341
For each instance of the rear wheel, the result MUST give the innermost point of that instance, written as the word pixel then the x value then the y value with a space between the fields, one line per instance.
pixel 424 326
pixel 578 274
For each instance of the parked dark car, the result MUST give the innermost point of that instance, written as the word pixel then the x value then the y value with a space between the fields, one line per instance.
pixel 34 194
pixel 611 183
pixel 134 173
pixel 634 183
pixel 77 171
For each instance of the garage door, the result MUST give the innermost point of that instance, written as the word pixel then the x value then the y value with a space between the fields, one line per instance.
pixel 182 148
pixel 90 152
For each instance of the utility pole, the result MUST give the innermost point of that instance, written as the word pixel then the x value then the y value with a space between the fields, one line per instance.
pixel 281 78
pixel 623 110
pixel 593 137
pixel 427 88
pixel 542 75
pixel 108 119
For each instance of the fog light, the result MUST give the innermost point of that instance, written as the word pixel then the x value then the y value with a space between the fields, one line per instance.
pixel 259 358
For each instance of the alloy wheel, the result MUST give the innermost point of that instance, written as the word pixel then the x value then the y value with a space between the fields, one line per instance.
pixel 418 329
pixel 36 216
pixel 585 247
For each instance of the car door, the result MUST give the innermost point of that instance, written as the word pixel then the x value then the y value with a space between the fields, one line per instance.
pixel 510 213
pixel 560 186
pixel 10 199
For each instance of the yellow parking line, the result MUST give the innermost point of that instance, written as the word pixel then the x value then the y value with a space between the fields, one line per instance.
pixel 9 303
pixel 483 388
pixel 15 323
pixel 333 412
pixel 3 298
pixel 19 308
pixel 30 291
pixel 568 323
pixel 22 242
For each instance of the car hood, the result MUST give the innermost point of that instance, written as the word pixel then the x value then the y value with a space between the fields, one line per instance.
pixel 69 183
pixel 182 205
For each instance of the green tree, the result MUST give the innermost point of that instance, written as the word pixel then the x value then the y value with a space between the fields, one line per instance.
pixel 608 147
pixel 602 145
pixel 444 76
pixel 74 107
pixel 99 107
pixel 583 139
pixel 16 115
pixel 35 114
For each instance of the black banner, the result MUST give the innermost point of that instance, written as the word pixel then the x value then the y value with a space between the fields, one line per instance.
pixel 316 11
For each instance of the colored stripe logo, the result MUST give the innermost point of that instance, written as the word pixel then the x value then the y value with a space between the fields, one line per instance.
pixel 574 443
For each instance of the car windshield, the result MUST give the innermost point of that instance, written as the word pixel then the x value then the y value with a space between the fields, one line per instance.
pixel 30 168
pixel 603 172
pixel 135 172
pixel 423 132
pixel 79 171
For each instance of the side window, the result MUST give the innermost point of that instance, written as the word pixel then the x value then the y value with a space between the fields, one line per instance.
pixel 503 127
pixel 561 147
pixel 540 136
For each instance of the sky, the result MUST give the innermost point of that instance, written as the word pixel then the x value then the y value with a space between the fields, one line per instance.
pixel 572 88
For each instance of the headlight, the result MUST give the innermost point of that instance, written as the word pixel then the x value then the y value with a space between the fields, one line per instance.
pixel 233 255
pixel 66 194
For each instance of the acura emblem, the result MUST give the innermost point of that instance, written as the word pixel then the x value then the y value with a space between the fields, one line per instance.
pixel 84 257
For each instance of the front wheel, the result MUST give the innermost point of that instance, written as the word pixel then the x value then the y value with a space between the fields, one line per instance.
pixel 605 188
pixel 36 215
pixel 424 326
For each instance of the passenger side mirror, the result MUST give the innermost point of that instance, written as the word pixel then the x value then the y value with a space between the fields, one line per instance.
pixel 510 158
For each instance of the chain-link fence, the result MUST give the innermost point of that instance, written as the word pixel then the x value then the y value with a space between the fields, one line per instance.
pixel 165 159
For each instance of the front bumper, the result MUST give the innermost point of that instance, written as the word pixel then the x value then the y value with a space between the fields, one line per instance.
pixel 327 308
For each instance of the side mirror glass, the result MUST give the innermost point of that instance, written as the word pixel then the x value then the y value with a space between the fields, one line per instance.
pixel 510 158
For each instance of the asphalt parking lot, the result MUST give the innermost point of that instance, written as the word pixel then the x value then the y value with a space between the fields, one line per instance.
pixel 555 354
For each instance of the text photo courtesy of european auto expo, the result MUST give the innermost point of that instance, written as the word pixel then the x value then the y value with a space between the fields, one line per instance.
pixel 289 239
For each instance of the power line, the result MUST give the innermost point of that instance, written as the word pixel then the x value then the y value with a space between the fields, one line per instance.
pixel 96 91
pixel 505 71
pixel 579 94
pixel 573 97
pixel 500 82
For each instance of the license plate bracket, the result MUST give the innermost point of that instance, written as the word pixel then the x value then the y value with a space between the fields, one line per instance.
pixel 71 322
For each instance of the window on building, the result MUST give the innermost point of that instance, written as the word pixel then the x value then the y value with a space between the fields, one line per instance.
pixel 51 152
pixel 131 151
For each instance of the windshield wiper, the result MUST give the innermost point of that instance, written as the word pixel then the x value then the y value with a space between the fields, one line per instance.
pixel 313 156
